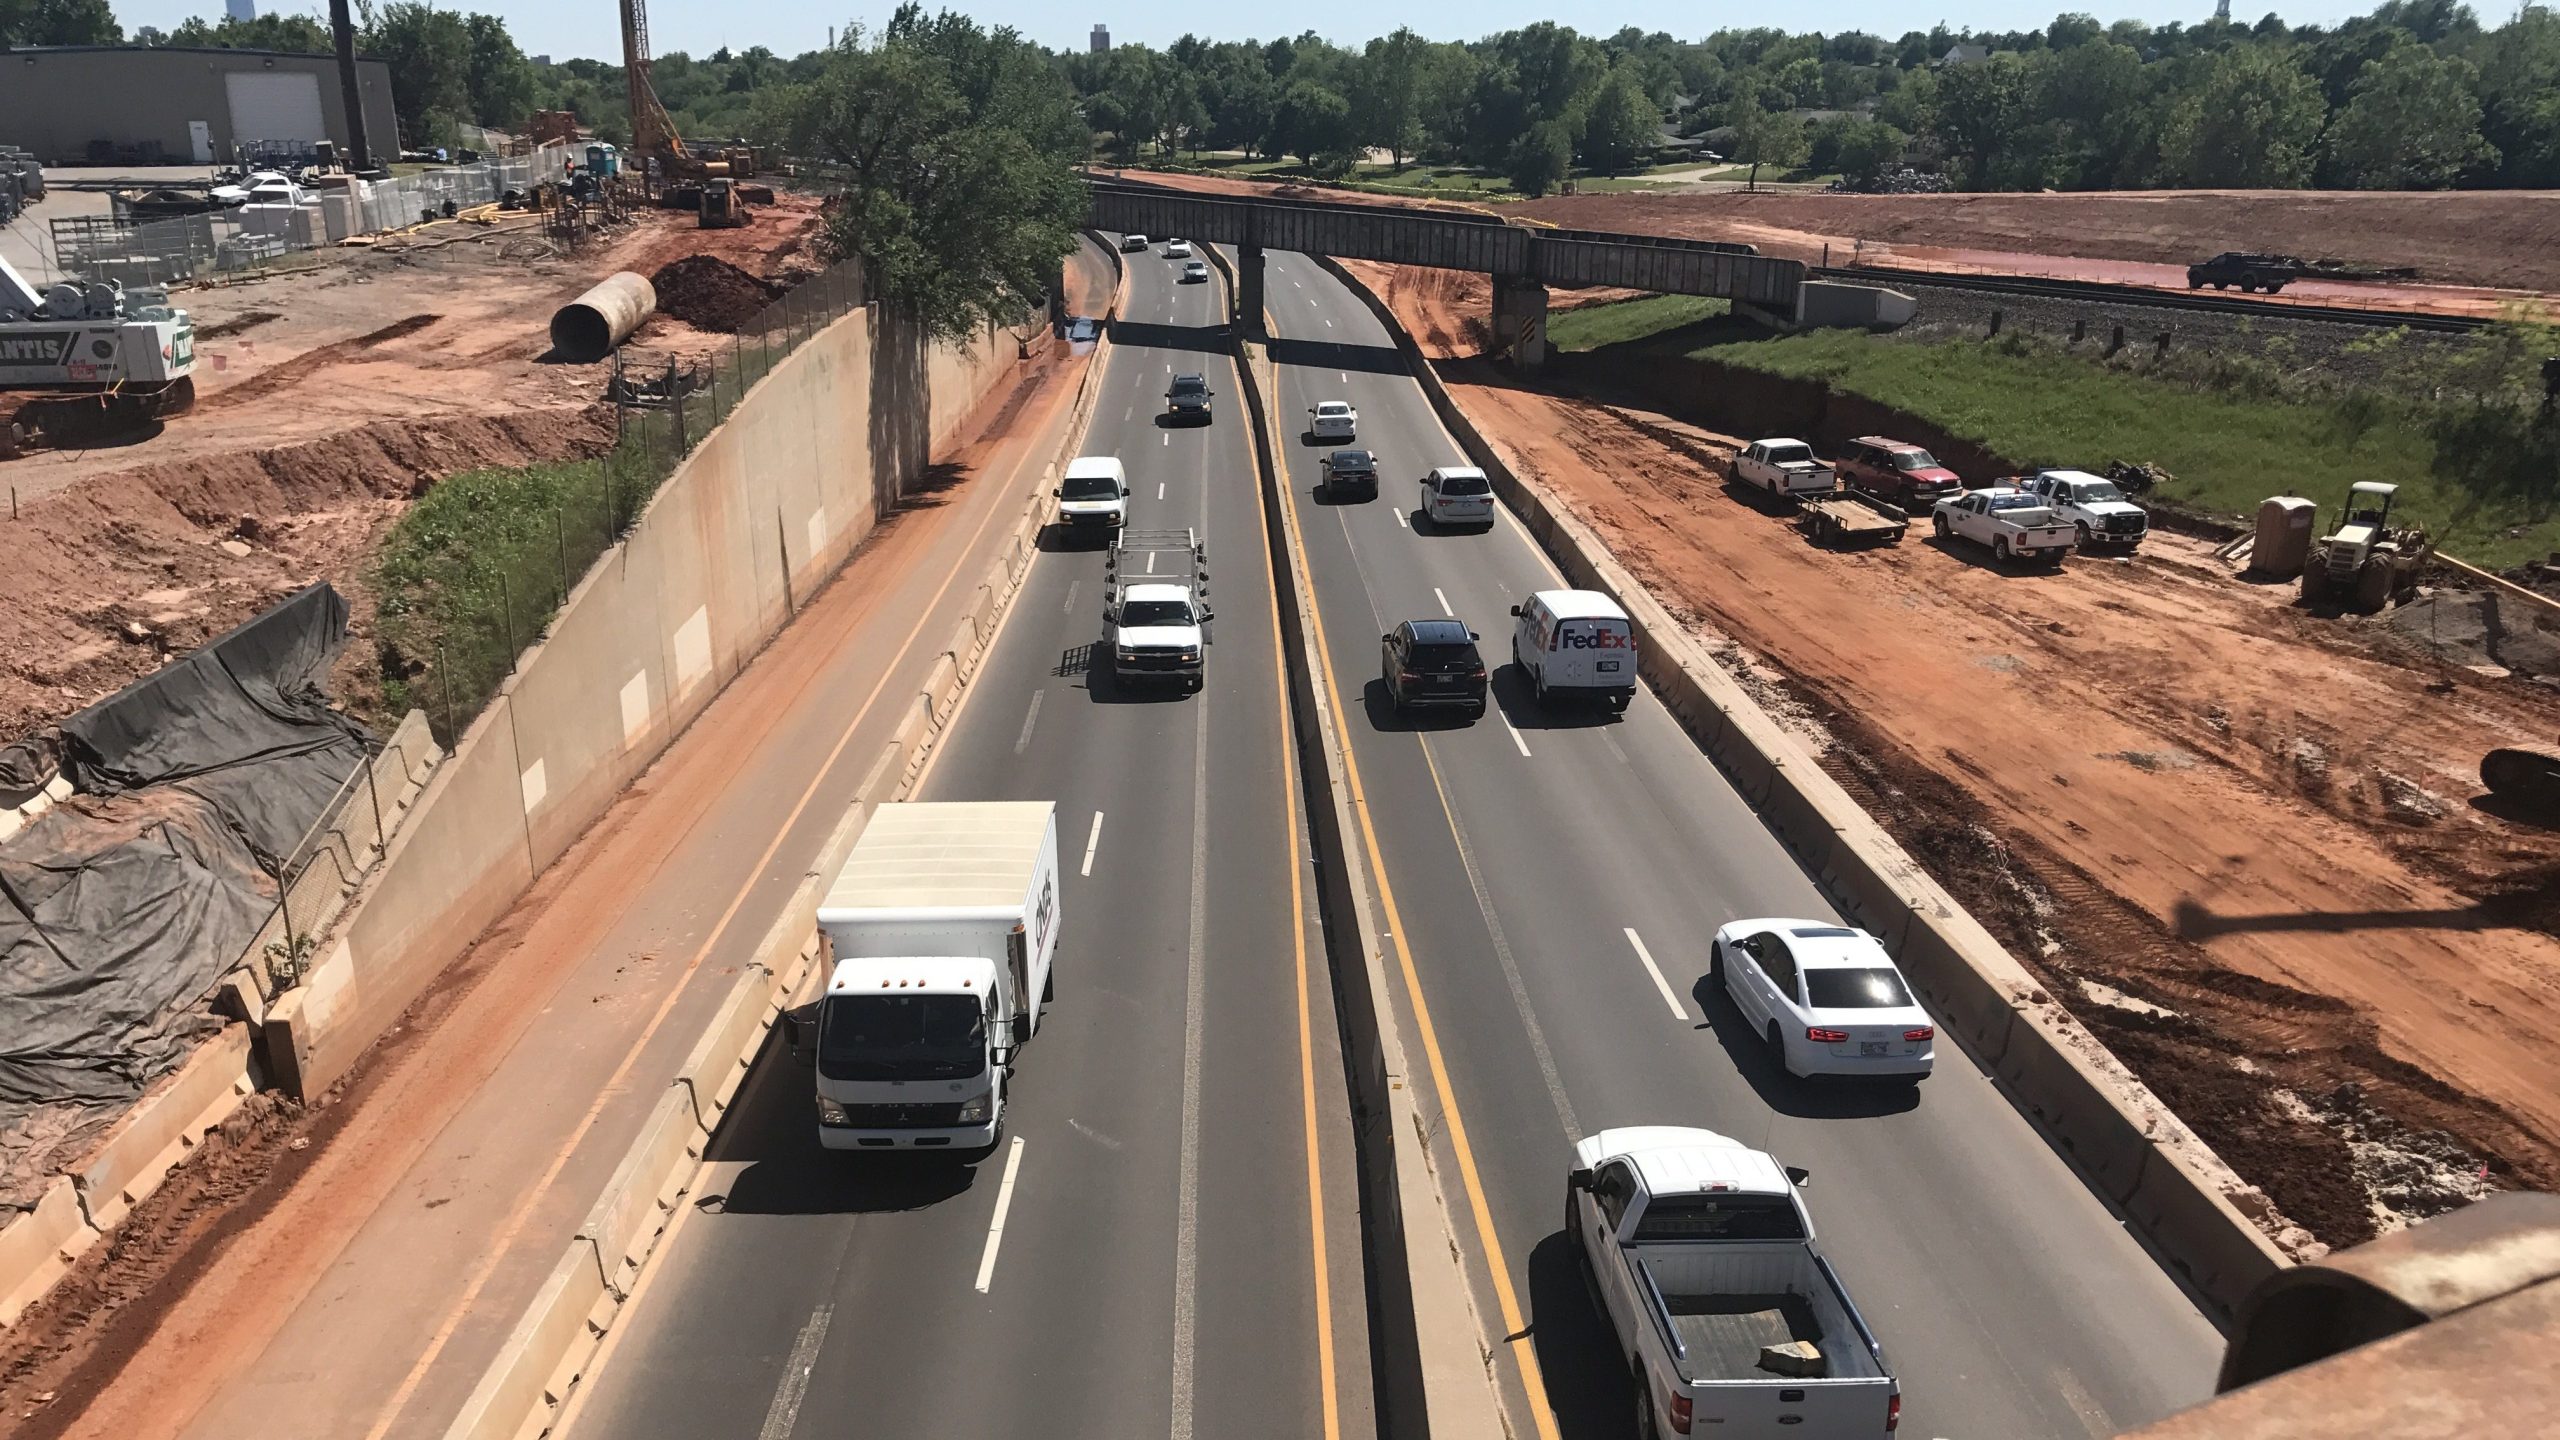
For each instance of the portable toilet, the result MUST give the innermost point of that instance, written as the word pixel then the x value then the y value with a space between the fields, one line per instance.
pixel 2283 545
pixel 603 160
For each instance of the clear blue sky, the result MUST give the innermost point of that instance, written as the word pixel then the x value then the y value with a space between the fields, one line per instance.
pixel 563 28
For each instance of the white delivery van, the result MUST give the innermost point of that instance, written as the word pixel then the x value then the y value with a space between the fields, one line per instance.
pixel 1576 643
pixel 941 927
pixel 1093 496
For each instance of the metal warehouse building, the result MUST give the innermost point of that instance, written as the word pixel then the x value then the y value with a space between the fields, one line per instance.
pixel 191 107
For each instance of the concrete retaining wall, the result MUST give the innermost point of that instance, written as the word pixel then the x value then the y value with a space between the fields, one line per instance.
pixel 769 505
pixel 2166 1181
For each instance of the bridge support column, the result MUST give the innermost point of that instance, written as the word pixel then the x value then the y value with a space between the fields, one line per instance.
pixel 1249 300
pixel 1520 320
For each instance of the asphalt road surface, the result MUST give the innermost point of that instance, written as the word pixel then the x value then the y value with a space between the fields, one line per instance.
pixel 1149 1250
pixel 1557 877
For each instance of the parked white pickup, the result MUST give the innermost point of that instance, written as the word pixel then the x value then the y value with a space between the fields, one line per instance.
pixel 2013 523
pixel 1784 468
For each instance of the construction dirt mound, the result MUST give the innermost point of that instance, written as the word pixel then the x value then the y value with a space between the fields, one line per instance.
pixel 708 293
pixel 108 580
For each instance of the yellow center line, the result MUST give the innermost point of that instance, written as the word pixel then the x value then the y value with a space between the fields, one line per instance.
pixel 1514 1323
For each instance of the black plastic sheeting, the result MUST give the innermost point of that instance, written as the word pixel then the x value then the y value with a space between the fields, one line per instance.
pixel 122 908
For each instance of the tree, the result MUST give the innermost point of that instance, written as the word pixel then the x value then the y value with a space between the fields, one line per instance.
pixel 497 75
pixel 58 22
pixel 2412 122
pixel 1867 148
pixel 1387 110
pixel 298 34
pixel 2250 123
pixel 1622 124
pixel 1312 120
pixel 1981 110
pixel 428 51
pixel 2520 99
pixel 1765 137
pixel 1541 159
pixel 959 144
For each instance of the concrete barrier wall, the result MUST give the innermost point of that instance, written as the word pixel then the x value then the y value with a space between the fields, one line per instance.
pixel 2171 1185
pixel 770 503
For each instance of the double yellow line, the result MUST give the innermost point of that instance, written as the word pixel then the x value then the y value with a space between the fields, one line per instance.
pixel 1506 1296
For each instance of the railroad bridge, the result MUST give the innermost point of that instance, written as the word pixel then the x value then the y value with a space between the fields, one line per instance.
pixel 1523 261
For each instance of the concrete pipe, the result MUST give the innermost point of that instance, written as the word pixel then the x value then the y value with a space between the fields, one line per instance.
pixel 588 327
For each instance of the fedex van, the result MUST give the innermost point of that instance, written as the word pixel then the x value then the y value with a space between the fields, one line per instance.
pixel 1576 643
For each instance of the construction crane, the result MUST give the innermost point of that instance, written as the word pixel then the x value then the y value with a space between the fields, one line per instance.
pixel 653 132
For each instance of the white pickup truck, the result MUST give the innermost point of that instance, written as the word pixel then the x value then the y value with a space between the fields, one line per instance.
pixel 1784 468
pixel 1700 1254
pixel 2015 524
pixel 2093 506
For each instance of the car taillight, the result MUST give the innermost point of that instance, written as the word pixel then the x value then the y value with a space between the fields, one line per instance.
pixel 1407 676
pixel 1679 1414
pixel 1820 1036
pixel 1479 672
pixel 1892 1413
pixel 1920 1033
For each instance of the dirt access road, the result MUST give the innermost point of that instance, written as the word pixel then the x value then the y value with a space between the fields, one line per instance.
pixel 326 401
pixel 2238 840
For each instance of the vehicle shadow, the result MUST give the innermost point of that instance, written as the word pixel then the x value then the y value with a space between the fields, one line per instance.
pixel 1588 1386
pixel 1170 421
pixel 1384 716
pixel 1820 1098
pixel 774 1129
pixel 1056 538
pixel 1758 499
pixel 1981 558
pixel 1105 685
pixel 1425 526
pixel 1323 496
pixel 1518 699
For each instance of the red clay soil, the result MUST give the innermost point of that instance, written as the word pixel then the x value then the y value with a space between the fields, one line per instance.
pixel 2256 835
pixel 2506 239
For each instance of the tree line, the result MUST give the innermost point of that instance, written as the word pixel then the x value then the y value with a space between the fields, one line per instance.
pixel 2416 95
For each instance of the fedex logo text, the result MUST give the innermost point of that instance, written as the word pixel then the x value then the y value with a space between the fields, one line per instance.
pixel 1594 640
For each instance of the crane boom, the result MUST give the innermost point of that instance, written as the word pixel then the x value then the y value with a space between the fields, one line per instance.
pixel 653 131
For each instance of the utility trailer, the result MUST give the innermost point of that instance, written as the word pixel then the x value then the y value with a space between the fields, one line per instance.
pixel 1848 519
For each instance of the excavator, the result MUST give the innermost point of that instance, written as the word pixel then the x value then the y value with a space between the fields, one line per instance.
pixel 685 175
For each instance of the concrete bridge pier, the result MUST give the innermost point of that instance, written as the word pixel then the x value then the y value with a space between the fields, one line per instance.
pixel 1249 290
pixel 1520 320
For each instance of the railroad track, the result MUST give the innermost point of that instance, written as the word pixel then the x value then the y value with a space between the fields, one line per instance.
pixel 2149 297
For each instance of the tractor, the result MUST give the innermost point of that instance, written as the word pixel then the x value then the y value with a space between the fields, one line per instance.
pixel 2365 563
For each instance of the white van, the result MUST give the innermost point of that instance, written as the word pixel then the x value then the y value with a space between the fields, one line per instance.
pixel 1093 497
pixel 1576 643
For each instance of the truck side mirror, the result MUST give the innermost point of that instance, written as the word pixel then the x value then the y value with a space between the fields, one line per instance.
pixel 1111 614
pixel 1021 1028
pixel 1388 639
pixel 1798 1176
pixel 1057 494
pixel 1515 609
pixel 1579 1179
pixel 800 1032
pixel 1208 615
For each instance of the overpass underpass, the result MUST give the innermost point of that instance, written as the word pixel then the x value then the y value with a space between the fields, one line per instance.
pixel 1524 262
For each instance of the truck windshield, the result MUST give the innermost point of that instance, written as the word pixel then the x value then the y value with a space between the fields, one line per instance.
pixel 1140 613
pixel 901 1037
pixel 1091 487
pixel 1720 1217
pixel 2091 494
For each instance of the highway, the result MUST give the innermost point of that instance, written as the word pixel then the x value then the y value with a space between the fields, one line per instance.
pixel 1552 881
pixel 1165 1243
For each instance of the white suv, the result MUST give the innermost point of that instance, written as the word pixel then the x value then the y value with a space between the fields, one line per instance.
pixel 1826 998
pixel 1458 495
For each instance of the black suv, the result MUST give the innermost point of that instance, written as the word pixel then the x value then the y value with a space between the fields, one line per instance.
pixel 1432 662
pixel 1350 471
pixel 1188 401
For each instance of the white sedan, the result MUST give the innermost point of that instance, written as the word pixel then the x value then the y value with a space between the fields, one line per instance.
pixel 1826 998
pixel 1333 420
pixel 1177 249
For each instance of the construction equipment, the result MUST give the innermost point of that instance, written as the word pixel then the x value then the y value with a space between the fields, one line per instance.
pixel 2366 562
pixel 86 362
pixel 683 172
pixel 722 207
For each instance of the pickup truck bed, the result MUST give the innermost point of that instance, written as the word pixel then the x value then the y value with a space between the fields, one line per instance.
pixel 1724 1334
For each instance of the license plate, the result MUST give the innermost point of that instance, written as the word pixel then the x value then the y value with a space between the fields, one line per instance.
pixel 1607 665
pixel 1871 1047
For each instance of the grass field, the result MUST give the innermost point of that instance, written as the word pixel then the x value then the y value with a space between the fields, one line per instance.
pixel 1589 327
pixel 2228 454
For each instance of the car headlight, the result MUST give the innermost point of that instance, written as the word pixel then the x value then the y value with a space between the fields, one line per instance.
pixel 1190 657
pixel 974 1112
pixel 831 1113
pixel 1123 652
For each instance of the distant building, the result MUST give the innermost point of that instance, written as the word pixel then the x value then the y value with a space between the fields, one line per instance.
pixel 243 11
pixel 169 105
pixel 541 59
pixel 1101 39
pixel 1964 55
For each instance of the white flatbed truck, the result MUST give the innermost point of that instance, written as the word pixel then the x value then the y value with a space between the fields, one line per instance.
pixel 940 929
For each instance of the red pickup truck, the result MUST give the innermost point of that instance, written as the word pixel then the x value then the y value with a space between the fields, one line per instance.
pixel 1896 473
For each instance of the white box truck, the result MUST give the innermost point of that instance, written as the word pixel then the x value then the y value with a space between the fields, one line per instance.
pixel 940 927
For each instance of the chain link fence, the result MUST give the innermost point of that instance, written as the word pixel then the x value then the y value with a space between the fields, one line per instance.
pixel 161 252
pixel 475 571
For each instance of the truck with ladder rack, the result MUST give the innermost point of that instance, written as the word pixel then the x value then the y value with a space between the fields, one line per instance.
pixel 1155 608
